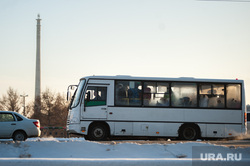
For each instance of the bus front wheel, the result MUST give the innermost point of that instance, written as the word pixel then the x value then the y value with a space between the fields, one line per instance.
pixel 189 132
pixel 98 132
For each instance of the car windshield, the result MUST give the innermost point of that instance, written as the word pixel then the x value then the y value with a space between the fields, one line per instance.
pixel 77 95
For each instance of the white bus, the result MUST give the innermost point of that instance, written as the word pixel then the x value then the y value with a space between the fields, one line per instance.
pixel 188 108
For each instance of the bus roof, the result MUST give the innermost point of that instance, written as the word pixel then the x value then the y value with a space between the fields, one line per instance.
pixel 185 79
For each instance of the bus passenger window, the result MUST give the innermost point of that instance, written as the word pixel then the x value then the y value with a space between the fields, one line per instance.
pixel 128 93
pixel 156 94
pixel 121 94
pixel 95 96
pixel 218 96
pixel 134 93
pixel 233 96
pixel 184 95
pixel 212 96
pixel 205 92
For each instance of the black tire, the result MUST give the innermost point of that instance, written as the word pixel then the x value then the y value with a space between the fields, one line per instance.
pixel 189 132
pixel 19 136
pixel 86 137
pixel 98 132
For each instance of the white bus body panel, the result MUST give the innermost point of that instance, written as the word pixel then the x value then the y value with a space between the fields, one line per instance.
pixel 166 121
pixel 150 121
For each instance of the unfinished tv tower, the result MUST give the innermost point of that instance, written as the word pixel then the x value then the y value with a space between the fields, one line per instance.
pixel 38 67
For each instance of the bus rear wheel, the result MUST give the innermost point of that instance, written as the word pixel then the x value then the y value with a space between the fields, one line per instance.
pixel 98 132
pixel 189 132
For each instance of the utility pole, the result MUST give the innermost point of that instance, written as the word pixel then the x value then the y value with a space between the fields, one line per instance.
pixel 23 96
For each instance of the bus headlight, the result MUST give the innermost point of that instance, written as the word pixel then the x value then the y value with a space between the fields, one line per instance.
pixel 74 120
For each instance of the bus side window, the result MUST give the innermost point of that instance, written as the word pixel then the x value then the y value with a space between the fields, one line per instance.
pixel 156 94
pixel 218 96
pixel 121 93
pixel 128 93
pixel 233 96
pixel 95 96
pixel 205 94
pixel 184 94
pixel 134 93
pixel 212 95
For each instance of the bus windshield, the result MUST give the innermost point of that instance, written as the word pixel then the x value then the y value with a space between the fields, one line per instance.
pixel 77 95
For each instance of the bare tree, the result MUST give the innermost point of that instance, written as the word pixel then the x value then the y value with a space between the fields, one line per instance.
pixel 1 107
pixel 29 110
pixel 60 110
pixel 53 109
pixel 11 101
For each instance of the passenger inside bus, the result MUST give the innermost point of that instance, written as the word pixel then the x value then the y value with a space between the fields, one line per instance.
pixel 233 103
pixel 185 101
pixel 97 97
pixel 134 94
pixel 204 101
pixel 146 96
pixel 121 95
pixel 220 104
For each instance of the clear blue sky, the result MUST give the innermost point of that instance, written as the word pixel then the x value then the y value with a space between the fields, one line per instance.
pixel 167 38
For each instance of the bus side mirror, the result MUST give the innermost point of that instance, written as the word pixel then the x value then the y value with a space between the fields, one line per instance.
pixel 68 95
pixel 69 90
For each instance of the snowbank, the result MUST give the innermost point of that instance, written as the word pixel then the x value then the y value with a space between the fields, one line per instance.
pixel 77 151
pixel 79 148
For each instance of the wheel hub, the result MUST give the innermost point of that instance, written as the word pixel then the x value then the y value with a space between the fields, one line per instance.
pixel 98 133
pixel 189 133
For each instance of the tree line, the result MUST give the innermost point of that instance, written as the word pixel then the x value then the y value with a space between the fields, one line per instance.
pixel 53 107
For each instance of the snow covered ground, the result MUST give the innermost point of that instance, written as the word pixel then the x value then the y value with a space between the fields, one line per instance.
pixel 77 151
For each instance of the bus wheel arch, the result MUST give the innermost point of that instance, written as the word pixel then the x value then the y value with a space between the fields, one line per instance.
pixel 98 131
pixel 189 131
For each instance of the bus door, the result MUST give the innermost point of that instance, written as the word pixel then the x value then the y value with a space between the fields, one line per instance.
pixel 95 103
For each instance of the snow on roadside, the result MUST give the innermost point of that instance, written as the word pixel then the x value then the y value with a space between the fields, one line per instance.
pixel 79 148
